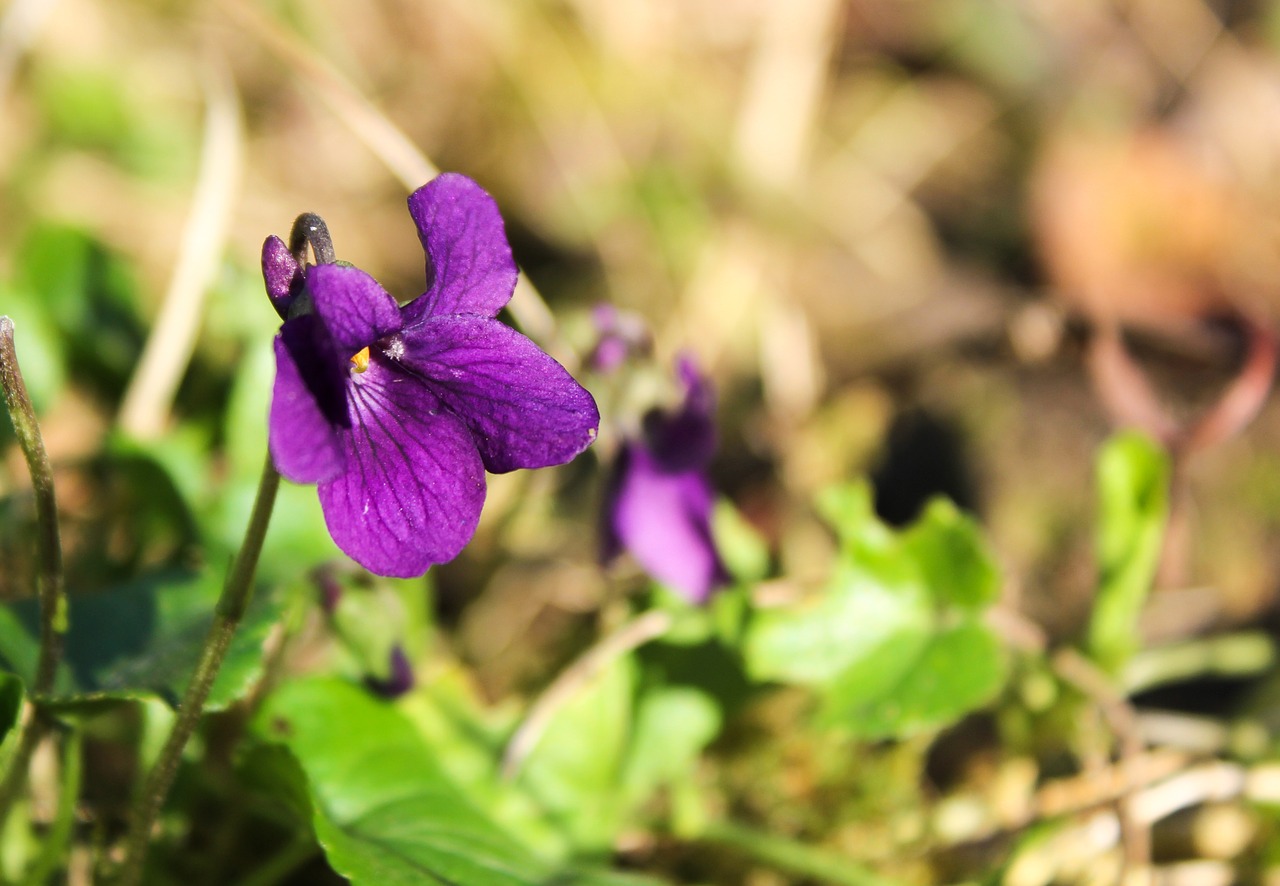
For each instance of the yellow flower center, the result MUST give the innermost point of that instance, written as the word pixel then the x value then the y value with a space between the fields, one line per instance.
pixel 361 360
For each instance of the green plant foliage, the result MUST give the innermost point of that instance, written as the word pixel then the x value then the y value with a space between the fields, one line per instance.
pixel 574 769
pixel 88 294
pixel 896 643
pixel 744 552
pixel 140 639
pixel 672 726
pixel 10 703
pixel 1133 506
pixel 384 810
pixel 39 349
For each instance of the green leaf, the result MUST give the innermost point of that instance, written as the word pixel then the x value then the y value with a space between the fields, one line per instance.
pixel 673 725
pixel 384 811
pixel 1133 504
pixel 10 703
pixel 743 549
pixel 861 616
pixel 896 644
pixel 952 672
pixel 953 557
pixel 40 352
pixel 140 639
pixel 87 293
pixel 573 770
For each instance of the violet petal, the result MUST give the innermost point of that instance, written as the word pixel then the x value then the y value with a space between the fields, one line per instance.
pixel 308 403
pixel 523 407
pixel 469 265
pixel 281 273
pixel 664 519
pixel 355 309
pixel 414 484
pixel 685 437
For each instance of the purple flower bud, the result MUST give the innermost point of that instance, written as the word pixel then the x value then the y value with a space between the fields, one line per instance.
pixel 330 589
pixel 658 501
pixel 620 336
pixel 399 679
pixel 282 275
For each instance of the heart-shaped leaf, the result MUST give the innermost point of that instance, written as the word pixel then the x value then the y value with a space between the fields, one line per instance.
pixel 139 640
pixel 895 644
pixel 384 811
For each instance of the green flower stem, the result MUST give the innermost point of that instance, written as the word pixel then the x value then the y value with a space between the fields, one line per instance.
pixel 53 598
pixel 232 603
pixel 792 857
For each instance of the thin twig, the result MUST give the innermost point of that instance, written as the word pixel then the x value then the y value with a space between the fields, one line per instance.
pixel 151 390
pixel 630 636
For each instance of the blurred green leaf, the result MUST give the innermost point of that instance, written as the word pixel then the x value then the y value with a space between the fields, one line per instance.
pixel 95 109
pixel 672 726
pixel 39 350
pixel 140 639
pixel 952 671
pixel 744 551
pixel 10 702
pixel 861 617
pixel 384 811
pixel 274 772
pixel 574 769
pixel 89 296
pixel 896 644
pixel 953 557
pixel 1133 506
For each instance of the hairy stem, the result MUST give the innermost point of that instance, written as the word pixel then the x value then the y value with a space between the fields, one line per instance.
pixel 234 600
pixel 53 599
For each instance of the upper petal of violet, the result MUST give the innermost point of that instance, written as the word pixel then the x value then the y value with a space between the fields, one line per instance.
pixel 469 265
pixel 353 306
pixel 413 486
pixel 523 407
pixel 281 273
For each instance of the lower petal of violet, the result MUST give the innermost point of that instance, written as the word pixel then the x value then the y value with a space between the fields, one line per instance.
pixel 413 486
pixel 308 404
pixel 664 519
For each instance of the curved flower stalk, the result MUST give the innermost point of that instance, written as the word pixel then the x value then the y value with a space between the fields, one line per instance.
pixel 397 412
pixel 659 501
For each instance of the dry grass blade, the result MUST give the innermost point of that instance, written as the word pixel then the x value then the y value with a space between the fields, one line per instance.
pixel 150 394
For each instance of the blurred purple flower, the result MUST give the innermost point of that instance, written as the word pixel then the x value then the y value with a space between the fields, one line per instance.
pixel 399 679
pixel 396 413
pixel 620 335
pixel 658 502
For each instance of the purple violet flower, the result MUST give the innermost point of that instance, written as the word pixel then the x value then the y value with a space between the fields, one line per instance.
pixel 620 336
pixel 397 412
pixel 658 502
